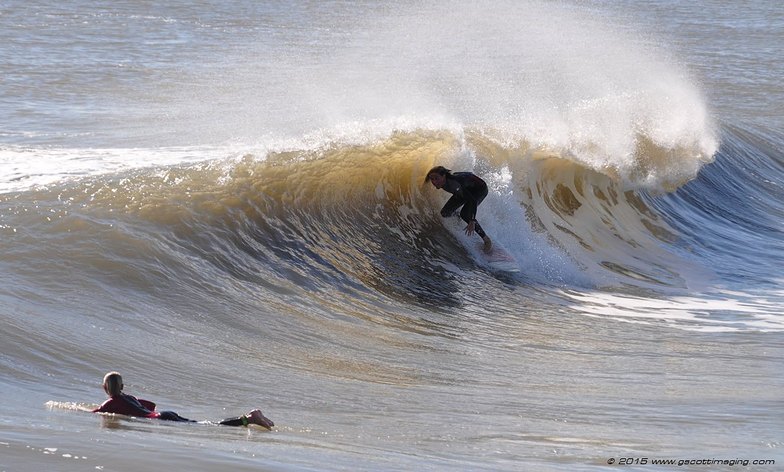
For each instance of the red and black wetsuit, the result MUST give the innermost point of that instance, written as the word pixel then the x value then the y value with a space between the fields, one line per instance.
pixel 468 191
pixel 129 405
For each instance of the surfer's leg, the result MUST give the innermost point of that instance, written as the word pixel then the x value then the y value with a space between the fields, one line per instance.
pixel 480 195
pixel 254 417
pixel 472 206
pixel 468 212
pixel 485 238
pixel 488 243
pixel 469 209
pixel 172 416
pixel 451 206
pixel 465 214
pixel 479 231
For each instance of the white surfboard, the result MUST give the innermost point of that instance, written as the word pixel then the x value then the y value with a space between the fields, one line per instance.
pixel 499 259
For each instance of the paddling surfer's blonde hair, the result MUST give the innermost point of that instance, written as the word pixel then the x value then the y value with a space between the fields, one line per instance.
pixel 113 383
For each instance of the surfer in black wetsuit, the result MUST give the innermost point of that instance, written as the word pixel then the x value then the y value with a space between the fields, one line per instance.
pixel 468 191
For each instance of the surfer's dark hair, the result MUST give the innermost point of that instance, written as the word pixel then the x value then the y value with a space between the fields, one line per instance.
pixel 440 170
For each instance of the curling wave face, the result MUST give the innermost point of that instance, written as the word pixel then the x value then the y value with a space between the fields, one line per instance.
pixel 356 219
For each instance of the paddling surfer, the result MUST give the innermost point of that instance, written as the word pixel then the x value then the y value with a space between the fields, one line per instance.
pixel 124 404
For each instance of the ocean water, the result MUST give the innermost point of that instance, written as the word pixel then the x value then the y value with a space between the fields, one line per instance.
pixel 224 202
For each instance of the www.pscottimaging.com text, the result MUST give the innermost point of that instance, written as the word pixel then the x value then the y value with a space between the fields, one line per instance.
pixel 688 462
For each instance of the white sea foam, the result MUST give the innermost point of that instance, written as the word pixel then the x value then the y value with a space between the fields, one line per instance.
pixel 23 168
pixel 717 312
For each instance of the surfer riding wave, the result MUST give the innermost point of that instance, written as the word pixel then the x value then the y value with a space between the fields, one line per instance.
pixel 468 190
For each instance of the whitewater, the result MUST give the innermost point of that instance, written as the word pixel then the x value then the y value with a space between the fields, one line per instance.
pixel 225 203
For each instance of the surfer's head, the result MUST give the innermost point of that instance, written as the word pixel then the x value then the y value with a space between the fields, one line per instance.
pixel 437 176
pixel 112 383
